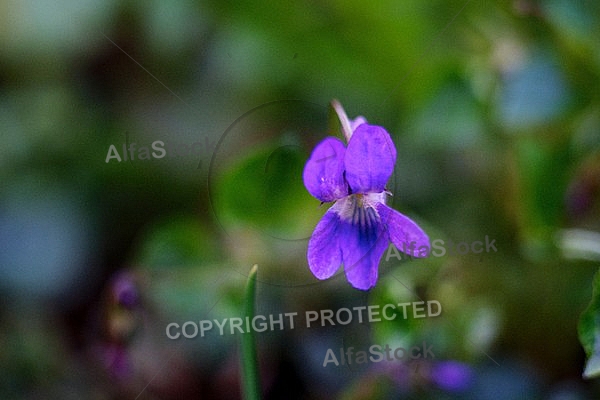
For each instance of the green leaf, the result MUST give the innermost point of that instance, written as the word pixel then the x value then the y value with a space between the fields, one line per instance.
pixel 250 370
pixel 543 168
pixel 589 332
pixel 176 241
pixel 265 191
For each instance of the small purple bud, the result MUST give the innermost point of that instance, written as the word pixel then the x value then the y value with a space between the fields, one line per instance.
pixel 125 291
pixel 116 360
pixel 452 376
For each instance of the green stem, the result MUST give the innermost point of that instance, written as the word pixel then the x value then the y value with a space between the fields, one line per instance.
pixel 250 371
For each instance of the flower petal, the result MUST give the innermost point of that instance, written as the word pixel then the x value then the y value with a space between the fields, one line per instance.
pixel 370 159
pixel 324 171
pixel 324 254
pixel 363 241
pixel 403 232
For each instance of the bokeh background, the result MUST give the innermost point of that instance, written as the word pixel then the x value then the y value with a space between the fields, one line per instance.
pixel 495 111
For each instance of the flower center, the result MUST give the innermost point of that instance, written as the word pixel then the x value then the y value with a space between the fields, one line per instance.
pixel 360 209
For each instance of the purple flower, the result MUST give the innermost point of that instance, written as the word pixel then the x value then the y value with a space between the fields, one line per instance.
pixel 356 230
pixel 452 376
pixel 124 290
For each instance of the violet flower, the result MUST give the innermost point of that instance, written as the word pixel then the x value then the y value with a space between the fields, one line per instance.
pixel 452 376
pixel 357 229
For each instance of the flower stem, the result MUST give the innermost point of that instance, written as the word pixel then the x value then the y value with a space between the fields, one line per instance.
pixel 249 368
pixel 343 118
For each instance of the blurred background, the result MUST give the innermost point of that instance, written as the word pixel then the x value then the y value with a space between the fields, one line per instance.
pixel 494 108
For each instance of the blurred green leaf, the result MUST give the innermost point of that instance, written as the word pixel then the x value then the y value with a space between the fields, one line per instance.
pixel 589 332
pixel 543 177
pixel 250 369
pixel 177 241
pixel 265 190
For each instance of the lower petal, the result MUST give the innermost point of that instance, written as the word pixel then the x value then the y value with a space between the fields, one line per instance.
pixel 324 254
pixel 363 241
pixel 403 232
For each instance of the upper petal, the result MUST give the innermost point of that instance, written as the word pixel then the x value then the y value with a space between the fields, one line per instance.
pixel 324 171
pixel 403 232
pixel 370 159
pixel 324 254
pixel 363 241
